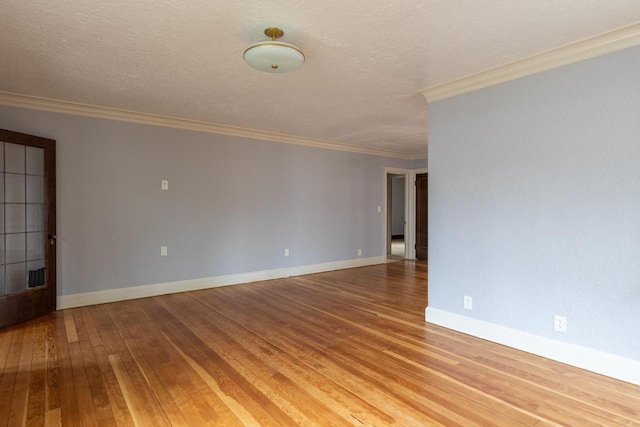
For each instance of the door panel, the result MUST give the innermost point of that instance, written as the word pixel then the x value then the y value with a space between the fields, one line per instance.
pixel 421 217
pixel 27 227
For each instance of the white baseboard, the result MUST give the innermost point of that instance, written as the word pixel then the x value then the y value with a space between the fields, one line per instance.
pixel 133 292
pixel 581 357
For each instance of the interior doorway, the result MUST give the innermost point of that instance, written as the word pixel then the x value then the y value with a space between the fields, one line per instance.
pixel 399 241
pixel 398 234
pixel 397 216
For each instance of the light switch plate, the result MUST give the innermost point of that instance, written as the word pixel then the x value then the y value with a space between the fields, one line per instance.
pixel 165 184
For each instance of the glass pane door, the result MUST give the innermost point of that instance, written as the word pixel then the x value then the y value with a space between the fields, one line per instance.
pixel 27 227
pixel 22 219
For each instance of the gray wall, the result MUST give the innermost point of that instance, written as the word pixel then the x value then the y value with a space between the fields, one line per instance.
pixel 397 206
pixel 419 164
pixel 232 206
pixel 534 203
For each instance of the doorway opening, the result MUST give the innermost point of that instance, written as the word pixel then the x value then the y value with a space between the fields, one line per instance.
pixel 400 222
pixel 398 234
pixel 397 216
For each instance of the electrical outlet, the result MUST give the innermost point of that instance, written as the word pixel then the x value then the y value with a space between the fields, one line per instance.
pixel 165 184
pixel 286 252
pixel 560 323
pixel 359 252
pixel 468 302
pixel 163 251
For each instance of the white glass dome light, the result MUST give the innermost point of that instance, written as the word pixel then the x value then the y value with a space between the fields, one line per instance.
pixel 274 56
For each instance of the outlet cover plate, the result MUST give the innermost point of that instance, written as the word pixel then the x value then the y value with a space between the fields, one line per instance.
pixel 560 323
pixel 468 302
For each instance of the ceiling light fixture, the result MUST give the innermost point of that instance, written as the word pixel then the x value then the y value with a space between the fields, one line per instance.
pixel 273 56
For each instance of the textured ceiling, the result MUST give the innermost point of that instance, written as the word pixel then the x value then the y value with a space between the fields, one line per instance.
pixel 366 61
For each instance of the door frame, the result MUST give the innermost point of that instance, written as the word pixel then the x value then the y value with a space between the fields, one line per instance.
pixel 409 209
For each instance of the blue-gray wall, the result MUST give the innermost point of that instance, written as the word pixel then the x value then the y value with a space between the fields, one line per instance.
pixel 232 206
pixel 419 164
pixel 534 203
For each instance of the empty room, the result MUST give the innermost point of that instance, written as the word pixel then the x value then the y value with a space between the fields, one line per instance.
pixel 300 213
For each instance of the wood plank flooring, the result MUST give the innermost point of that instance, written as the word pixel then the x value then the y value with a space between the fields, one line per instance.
pixel 342 348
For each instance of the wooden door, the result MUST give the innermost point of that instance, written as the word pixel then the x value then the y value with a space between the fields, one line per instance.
pixel 27 227
pixel 421 217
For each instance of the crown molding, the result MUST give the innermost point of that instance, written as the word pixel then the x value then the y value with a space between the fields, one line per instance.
pixel 66 107
pixel 591 47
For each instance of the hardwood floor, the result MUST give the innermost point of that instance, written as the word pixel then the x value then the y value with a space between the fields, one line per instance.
pixel 343 348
